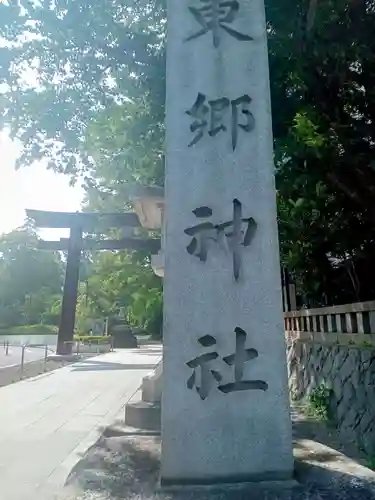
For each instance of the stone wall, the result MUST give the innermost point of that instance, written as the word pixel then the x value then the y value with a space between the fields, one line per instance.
pixel 349 373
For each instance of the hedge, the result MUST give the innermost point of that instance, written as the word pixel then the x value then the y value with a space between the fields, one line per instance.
pixel 39 329
pixel 95 339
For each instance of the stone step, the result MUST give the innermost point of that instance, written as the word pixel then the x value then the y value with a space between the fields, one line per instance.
pixel 143 415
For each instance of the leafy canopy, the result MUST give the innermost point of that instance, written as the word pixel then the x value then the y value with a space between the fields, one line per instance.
pixel 83 84
pixel 30 279
pixel 62 62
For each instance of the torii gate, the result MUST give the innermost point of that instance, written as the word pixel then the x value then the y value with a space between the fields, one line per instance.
pixel 79 223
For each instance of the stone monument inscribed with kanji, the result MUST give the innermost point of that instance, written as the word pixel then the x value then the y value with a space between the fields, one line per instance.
pixel 225 409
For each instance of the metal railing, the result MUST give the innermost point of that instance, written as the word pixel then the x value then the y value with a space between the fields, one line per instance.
pixel 21 360
pixel 17 353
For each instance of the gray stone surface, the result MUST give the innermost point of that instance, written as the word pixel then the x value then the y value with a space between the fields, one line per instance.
pixel 152 385
pixel 219 157
pixel 125 464
pixel 349 373
pixel 143 415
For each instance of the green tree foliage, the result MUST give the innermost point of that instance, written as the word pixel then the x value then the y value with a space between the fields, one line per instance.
pixel 98 101
pixel 121 279
pixel 128 149
pixel 64 61
pixel 322 63
pixel 96 107
pixel 30 279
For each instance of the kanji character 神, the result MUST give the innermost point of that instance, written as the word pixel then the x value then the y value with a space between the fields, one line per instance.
pixel 231 230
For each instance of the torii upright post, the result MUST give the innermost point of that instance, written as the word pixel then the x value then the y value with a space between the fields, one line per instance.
pixel 69 301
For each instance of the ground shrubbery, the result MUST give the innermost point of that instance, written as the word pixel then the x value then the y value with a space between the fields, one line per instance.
pixel 38 329
pixel 93 339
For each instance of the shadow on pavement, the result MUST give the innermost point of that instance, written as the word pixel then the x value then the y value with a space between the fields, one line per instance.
pixel 326 434
pixel 92 365
pixel 149 352
pixel 126 465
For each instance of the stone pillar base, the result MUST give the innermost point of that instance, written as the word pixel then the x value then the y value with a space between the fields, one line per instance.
pixel 146 414
pixel 143 415
pixel 152 385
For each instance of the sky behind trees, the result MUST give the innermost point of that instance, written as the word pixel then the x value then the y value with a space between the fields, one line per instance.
pixel 34 187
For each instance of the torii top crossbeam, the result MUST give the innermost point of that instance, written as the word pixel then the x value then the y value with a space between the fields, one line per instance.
pixel 86 220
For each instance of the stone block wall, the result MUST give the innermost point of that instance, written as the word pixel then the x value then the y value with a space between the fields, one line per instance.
pixel 349 373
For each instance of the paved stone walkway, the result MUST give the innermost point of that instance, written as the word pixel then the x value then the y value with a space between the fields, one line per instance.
pixel 48 423
pixel 52 445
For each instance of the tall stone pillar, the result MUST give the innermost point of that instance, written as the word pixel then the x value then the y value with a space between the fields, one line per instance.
pixel 225 409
